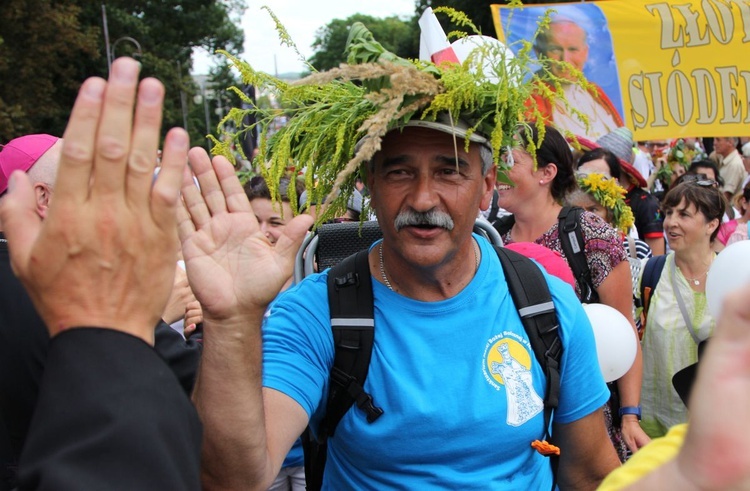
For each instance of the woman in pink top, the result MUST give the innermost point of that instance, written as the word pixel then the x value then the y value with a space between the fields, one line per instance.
pixel 735 230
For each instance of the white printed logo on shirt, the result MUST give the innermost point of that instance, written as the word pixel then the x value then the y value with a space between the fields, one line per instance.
pixel 507 364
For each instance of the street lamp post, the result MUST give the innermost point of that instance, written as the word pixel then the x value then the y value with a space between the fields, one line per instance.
pixel 111 49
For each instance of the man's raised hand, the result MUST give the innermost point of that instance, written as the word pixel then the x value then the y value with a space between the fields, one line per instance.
pixel 233 268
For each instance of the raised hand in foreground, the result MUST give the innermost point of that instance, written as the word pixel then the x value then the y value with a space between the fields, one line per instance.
pixel 715 453
pixel 105 254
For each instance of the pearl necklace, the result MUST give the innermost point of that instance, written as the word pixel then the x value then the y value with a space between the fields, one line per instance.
pixel 385 276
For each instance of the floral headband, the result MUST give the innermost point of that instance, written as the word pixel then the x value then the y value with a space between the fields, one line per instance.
pixel 608 193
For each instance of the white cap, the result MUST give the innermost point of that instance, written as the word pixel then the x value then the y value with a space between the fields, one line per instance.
pixel 443 123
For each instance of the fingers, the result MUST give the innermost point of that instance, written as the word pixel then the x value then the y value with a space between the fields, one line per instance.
pixel 234 194
pixel 195 204
pixel 294 232
pixel 145 142
pixel 165 192
pixel 76 161
pixel 21 223
pixel 220 189
pixel 115 127
pixel 209 183
pixel 185 227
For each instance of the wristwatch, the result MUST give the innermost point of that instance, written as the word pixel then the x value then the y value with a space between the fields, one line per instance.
pixel 636 410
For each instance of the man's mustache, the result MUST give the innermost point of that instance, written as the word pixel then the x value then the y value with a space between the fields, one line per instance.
pixel 432 218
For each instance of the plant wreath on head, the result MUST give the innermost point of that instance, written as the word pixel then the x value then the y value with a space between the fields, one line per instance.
pixel 611 196
pixel 330 112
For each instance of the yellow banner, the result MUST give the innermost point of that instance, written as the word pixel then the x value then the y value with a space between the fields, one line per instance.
pixel 668 69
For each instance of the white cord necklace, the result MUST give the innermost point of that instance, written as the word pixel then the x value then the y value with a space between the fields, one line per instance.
pixel 385 276
pixel 697 280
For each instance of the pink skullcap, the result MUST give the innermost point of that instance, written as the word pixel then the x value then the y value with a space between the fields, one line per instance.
pixel 21 154
pixel 550 260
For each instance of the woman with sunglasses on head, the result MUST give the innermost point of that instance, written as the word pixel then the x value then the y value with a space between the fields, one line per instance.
pixel 540 184
pixel 678 317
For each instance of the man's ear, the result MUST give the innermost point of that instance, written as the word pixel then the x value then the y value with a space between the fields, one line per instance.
pixel 490 180
pixel 43 195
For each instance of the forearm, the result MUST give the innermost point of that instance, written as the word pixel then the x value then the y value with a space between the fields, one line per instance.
pixel 229 400
pixel 629 385
pixel 586 455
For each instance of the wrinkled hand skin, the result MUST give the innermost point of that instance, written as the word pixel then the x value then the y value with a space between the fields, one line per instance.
pixel 105 255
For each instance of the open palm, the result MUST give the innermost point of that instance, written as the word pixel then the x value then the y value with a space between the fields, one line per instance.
pixel 232 267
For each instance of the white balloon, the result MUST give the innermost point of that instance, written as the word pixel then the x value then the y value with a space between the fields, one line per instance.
pixel 729 271
pixel 616 343
pixel 489 59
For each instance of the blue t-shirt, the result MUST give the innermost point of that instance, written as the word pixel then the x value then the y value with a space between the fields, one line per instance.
pixel 458 381
pixel 296 455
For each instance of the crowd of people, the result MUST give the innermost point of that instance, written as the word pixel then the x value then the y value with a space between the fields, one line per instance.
pixel 102 256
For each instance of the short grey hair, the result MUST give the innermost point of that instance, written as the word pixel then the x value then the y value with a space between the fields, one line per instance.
pixel 485 154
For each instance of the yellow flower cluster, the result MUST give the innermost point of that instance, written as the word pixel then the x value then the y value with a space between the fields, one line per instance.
pixel 608 193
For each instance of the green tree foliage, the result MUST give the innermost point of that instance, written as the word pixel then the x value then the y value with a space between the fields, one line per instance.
pixel 45 51
pixel 396 35
pixel 50 47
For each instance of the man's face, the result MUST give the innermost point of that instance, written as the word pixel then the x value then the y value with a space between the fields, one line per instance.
pixel 657 147
pixel 723 146
pixel 707 171
pixel 566 42
pixel 416 171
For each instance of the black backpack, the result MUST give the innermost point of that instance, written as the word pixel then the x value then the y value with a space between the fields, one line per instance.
pixel 352 322
pixel 573 245
pixel 650 278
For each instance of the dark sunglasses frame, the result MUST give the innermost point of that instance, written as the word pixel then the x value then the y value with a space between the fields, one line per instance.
pixel 700 180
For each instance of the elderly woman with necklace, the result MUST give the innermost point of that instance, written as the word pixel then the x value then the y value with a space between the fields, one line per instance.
pixel 678 316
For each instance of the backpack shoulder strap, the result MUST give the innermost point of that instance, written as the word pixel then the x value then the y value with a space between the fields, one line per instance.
pixel 350 301
pixel 494 207
pixel 530 292
pixel 650 278
pixel 504 224
pixel 353 325
pixel 573 245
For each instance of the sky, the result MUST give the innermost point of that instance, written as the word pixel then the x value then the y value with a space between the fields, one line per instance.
pixel 301 19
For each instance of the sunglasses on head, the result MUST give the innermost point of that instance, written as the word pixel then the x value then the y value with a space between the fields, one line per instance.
pixel 700 180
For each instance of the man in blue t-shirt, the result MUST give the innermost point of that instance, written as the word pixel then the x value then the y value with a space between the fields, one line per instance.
pixel 452 366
